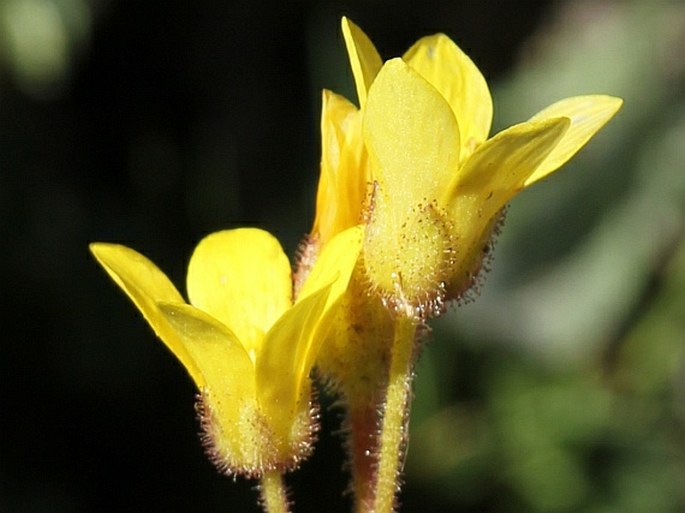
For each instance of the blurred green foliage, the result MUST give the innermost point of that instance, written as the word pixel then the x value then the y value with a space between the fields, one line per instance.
pixel 559 390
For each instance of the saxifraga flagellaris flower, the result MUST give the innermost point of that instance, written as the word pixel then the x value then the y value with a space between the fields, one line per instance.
pixel 246 346
pixel 439 181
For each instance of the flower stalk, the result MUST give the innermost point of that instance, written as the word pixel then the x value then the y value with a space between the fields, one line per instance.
pixel 363 432
pixel 273 493
pixel 394 429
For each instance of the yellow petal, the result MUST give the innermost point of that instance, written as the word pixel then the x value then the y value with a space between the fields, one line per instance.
pixel 344 177
pixel 411 135
pixel 234 432
pixel 498 170
pixel 364 58
pixel 281 366
pixel 442 63
pixel 335 265
pixel 500 167
pixel 588 114
pixel 242 278
pixel 145 285
pixel 225 365
pixel 495 172
pixel 326 283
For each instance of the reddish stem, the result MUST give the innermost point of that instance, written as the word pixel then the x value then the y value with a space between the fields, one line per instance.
pixel 363 448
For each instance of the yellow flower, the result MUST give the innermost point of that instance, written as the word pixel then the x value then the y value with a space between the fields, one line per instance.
pixel 247 347
pixel 439 182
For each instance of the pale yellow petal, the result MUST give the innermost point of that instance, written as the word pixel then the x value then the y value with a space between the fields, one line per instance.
pixel 242 278
pixel 345 176
pixel 442 63
pixel 281 366
pixel 588 114
pixel 411 135
pixel 364 58
pixel 145 285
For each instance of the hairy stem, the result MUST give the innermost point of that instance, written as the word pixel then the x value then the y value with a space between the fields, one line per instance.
pixel 362 422
pixel 273 493
pixel 393 436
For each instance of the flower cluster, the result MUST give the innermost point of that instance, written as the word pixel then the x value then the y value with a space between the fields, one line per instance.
pixel 412 188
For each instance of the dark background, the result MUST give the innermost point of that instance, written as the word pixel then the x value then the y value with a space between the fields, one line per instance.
pixel 154 123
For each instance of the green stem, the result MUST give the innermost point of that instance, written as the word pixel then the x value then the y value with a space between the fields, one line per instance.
pixel 393 437
pixel 273 494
